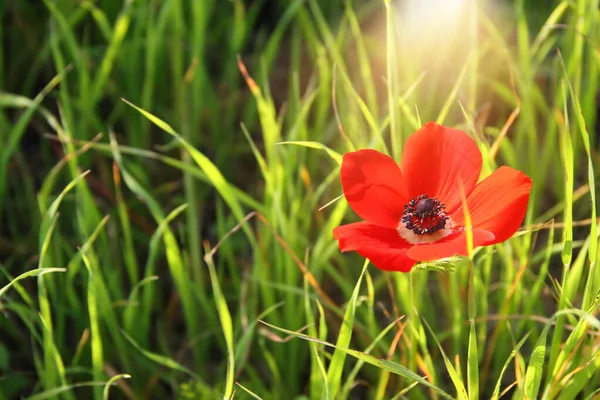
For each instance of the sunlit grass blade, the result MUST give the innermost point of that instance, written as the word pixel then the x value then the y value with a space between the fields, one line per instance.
pixel 402 393
pixel 513 353
pixel 112 381
pixel 571 287
pixel 368 116
pixel 382 364
pixel 112 51
pixel 250 393
pixel 593 395
pixel 318 385
pixel 141 321
pixel 549 26
pixel 454 376
pixel 543 271
pixel 569 347
pixel 592 284
pixel 350 380
pixel 211 171
pixel 408 112
pixel 336 366
pixel 53 365
pixel 29 274
pixel 100 18
pixel 472 352
pixel 473 364
pixel 53 210
pixel 323 373
pixel 392 78
pixel 319 146
pixel 271 130
pixel 129 254
pixel 580 379
pixel 174 257
pixel 96 337
pixel 533 375
pixel 452 96
pixel 242 196
pixel 95 285
pixel 566 150
pixel 363 59
pixel 226 323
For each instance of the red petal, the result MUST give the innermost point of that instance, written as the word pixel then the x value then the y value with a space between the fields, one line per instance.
pixel 436 159
pixel 382 246
pixel 451 246
pixel 374 187
pixel 499 203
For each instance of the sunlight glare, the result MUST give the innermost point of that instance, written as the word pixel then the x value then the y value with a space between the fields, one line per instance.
pixel 432 22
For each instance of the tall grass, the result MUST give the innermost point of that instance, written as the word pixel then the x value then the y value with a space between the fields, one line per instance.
pixel 170 175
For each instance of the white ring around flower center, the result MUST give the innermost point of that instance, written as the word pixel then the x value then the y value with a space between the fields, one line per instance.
pixel 414 238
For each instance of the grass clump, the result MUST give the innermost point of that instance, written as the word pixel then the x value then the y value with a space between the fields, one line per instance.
pixel 169 182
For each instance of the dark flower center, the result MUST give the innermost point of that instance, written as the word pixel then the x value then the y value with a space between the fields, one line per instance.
pixel 424 215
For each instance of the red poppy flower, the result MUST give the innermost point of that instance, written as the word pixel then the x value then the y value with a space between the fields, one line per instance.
pixel 413 211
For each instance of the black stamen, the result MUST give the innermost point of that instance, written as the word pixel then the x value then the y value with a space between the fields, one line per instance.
pixel 424 215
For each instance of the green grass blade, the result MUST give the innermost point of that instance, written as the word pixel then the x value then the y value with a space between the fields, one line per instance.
pixel 53 364
pixel 592 284
pixel 566 149
pixel 242 196
pixel 94 287
pixel 56 392
pixel 379 363
pixel 29 274
pixel 473 363
pixel 369 118
pixel 392 78
pixel 443 114
pixel 174 257
pixel 18 130
pixel 533 375
pixel 350 380
pixel 577 383
pixel 211 171
pixel 250 393
pixel 323 373
pixel 162 360
pixel 336 367
pixel 141 321
pixel 111 382
pixel 50 214
pixel 513 353
pixel 100 18
pixel 337 157
pixel 457 380
pixel 96 335
pixel 259 158
pixel 226 324
pixel 108 61
pixel 363 59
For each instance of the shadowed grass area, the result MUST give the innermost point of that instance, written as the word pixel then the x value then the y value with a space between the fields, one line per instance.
pixel 169 183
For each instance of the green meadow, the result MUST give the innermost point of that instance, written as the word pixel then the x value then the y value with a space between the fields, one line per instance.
pixel 170 180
